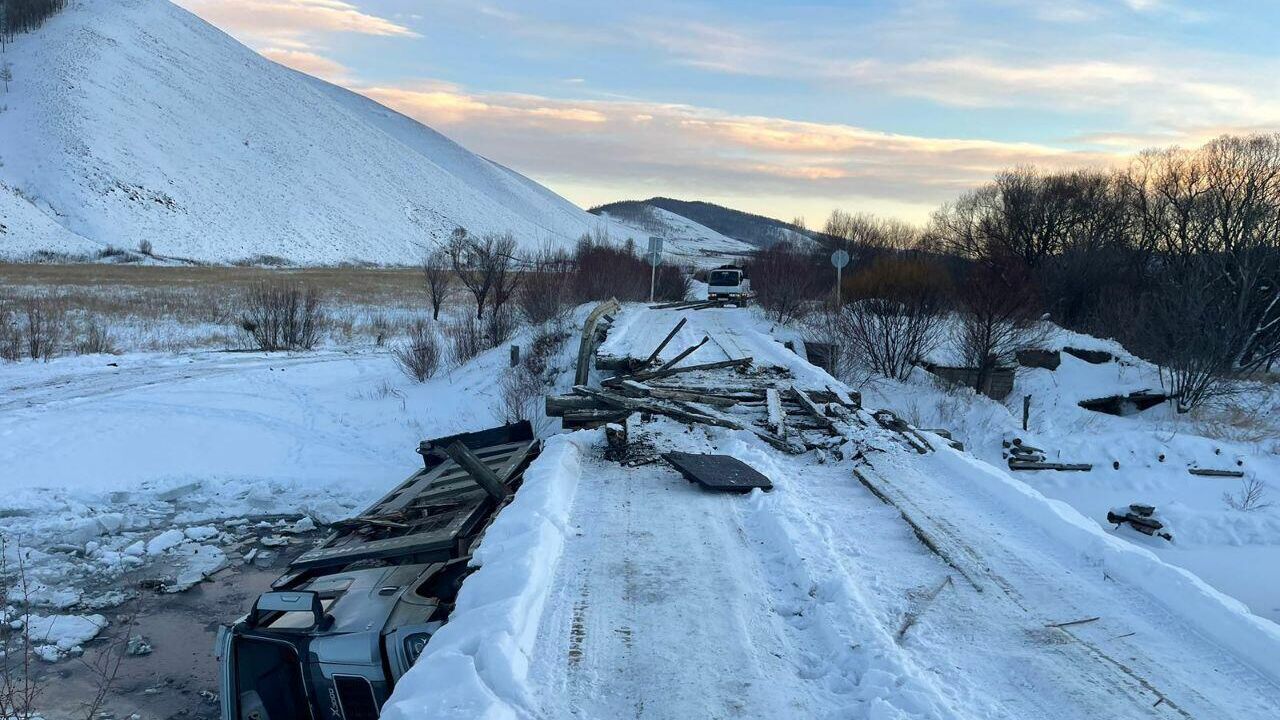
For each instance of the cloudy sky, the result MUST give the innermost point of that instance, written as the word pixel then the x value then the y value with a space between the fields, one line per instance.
pixel 788 109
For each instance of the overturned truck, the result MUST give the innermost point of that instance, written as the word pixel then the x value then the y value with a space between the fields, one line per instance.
pixel 350 616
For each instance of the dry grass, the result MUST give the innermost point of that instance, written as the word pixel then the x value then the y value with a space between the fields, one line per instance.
pixel 174 308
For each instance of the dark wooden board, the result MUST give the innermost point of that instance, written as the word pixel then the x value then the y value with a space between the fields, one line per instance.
pixel 718 472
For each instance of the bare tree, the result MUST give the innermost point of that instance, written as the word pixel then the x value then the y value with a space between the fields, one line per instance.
pixel 895 314
pixel 998 316
pixel 439 282
pixel 485 266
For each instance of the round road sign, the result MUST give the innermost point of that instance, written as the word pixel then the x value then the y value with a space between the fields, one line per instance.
pixel 840 258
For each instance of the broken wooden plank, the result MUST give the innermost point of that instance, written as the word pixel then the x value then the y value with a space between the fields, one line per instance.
pixel 655 406
pixel 586 419
pixel 1067 467
pixel 718 472
pixel 1214 472
pixel 812 408
pixel 912 616
pixel 1071 623
pixel 559 405
pixel 653 357
pixel 655 374
pixel 686 353
pixel 633 388
pixel 478 471
pixel 777 416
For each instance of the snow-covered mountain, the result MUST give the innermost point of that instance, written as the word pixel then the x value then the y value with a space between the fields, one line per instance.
pixel 685 241
pixel 132 120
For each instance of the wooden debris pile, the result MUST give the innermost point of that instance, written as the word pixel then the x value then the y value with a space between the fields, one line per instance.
pixel 1140 517
pixel 1027 457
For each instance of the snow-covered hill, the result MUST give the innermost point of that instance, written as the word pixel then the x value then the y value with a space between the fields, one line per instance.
pixel 133 120
pixel 685 241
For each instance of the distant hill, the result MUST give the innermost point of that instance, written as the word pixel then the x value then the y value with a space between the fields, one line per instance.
pixel 755 230
pixel 686 242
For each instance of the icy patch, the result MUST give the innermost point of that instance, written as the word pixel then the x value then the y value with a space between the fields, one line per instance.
pixel 55 636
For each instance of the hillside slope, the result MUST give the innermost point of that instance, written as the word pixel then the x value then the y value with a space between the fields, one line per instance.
pixel 686 242
pixel 757 231
pixel 134 119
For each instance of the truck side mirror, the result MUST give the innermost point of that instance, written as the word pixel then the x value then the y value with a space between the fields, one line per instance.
pixel 293 601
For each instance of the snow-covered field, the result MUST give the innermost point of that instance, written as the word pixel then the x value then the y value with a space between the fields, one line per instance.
pixel 1142 458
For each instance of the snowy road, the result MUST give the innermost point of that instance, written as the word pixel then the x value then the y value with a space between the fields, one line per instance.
pixel 817 600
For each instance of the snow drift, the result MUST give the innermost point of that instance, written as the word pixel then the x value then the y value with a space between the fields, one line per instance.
pixel 476 666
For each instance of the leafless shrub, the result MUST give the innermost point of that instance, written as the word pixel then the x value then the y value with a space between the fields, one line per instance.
pixel 419 357
pixel 499 326
pixel 282 316
pixel 520 395
pixel 97 339
pixel 545 344
pixel 603 269
pixel 466 339
pixel 380 327
pixel 785 281
pixel 19 687
pixel 895 315
pixel 10 331
pixel 1251 496
pixel 543 297
pixel 45 326
pixel 145 247
pixel 672 283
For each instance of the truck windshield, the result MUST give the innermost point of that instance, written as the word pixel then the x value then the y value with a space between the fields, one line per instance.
pixel 722 278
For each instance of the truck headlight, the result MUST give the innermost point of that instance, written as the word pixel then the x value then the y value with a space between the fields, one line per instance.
pixel 414 645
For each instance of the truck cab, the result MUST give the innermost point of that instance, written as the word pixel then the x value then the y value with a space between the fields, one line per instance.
pixel 332 647
pixel 728 282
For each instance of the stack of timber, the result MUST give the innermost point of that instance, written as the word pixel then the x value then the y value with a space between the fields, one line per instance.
pixel 1027 457
pixel 1140 517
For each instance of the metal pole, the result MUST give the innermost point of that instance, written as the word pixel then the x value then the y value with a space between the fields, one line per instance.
pixel 839 270
pixel 653 274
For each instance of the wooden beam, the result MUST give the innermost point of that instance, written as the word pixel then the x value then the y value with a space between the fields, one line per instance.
pixel 654 355
pixel 808 404
pixel 631 388
pixel 777 416
pixel 560 405
pixel 687 352
pixel 478 471
pixel 656 407
pixel 587 346
pixel 655 374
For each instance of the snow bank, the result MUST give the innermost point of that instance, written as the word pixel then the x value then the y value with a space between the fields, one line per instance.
pixel 1223 618
pixel 477 665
